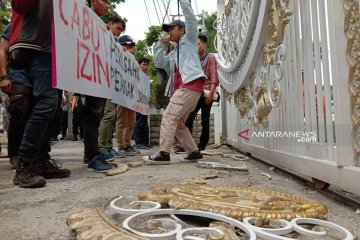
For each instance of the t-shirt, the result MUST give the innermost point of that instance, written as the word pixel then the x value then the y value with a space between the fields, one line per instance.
pixel 196 84
pixel 6 32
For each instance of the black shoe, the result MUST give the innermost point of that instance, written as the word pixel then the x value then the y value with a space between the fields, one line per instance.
pixel 159 158
pixel 27 175
pixel 201 148
pixel 75 138
pixel 180 150
pixel 86 160
pixel 196 155
pixel 52 169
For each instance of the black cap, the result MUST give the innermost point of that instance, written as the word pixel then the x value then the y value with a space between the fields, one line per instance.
pixel 126 39
pixel 165 27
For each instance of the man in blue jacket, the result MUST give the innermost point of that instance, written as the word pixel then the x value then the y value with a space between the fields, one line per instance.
pixel 186 85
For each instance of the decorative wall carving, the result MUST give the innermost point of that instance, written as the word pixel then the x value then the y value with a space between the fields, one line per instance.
pixel 236 202
pixel 256 99
pixel 352 30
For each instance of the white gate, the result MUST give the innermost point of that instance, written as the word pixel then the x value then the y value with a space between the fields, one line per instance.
pixel 290 71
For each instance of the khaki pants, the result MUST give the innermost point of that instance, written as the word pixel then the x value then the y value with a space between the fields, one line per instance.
pixel 106 126
pixel 182 103
pixel 125 124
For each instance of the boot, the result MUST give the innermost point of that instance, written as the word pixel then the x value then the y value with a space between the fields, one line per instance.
pixel 27 175
pixel 52 169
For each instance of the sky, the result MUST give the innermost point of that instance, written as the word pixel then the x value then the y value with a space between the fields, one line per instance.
pixel 138 21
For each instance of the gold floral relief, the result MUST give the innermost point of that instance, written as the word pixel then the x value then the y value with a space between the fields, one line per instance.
pixel 279 13
pixel 236 202
pixel 352 31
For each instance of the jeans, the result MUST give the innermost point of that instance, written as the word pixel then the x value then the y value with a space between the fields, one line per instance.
pixel 93 112
pixel 141 131
pixel 106 128
pixel 205 121
pixel 36 134
pixel 20 107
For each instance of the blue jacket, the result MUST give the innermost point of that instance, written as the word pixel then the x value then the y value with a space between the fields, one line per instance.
pixel 189 62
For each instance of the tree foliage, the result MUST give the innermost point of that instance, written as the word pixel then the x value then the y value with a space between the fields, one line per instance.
pixel 210 32
pixel 5 13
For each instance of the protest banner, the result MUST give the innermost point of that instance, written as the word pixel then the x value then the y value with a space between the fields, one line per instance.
pixel 131 86
pixel 82 45
pixel 88 60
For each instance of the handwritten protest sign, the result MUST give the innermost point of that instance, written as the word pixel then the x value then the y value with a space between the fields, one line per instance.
pixel 87 59
pixel 82 49
pixel 131 85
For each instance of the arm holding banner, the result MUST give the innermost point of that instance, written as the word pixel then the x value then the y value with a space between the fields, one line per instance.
pixel 24 6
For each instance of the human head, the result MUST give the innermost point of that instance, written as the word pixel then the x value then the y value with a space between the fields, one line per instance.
pixel 127 42
pixel 100 7
pixel 144 64
pixel 202 44
pixel 176 30
pixel 117 25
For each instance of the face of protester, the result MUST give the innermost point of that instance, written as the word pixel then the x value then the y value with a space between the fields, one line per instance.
pixel 100 7
pixel 131 48
pixel 176 33
pixel 116 28
pixel 201 47
pixel 144 67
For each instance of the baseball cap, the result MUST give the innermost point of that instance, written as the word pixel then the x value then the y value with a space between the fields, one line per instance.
pixel 165 27
pixel 126 39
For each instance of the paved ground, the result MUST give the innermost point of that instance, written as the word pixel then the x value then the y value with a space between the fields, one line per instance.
pixel 41 213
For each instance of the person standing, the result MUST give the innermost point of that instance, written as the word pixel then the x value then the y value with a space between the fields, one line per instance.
pixel 93 112
pixel 141 132
pixel 30 49
pixel 186 84
pixel 106 129
pixel 125 120
pixel 209 65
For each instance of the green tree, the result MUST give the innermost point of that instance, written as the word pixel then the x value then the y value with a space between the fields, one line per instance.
pixel 210 32
pixel 112 9
pixel 5 13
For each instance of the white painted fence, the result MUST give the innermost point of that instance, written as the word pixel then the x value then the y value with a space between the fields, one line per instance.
pixel 307 86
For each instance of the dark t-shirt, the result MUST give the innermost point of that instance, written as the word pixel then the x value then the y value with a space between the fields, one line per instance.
pixel 6 33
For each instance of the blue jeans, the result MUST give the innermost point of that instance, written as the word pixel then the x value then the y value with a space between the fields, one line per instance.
pixel 36 138
pixel 141 131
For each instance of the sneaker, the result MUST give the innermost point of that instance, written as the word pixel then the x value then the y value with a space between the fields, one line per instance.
pixel 127 151
pixel 75 138
pixel 86 160
pixel 116 154
pixel 121 153
pixel 27 175
pixel 157 159
pixel 196 155
pixel 180 150
pixel 106 156
pixel 132 149
pixel 52 169
pixel 142 146
pixel 99 165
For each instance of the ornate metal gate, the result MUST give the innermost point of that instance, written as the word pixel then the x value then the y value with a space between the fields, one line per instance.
pixel 290 73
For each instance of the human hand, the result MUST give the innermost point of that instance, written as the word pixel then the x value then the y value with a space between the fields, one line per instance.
pixel 209 97
pixel 164 37
pixel 5 86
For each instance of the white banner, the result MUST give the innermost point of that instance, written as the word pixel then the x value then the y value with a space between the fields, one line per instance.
pixel 131 86
pixel 87 60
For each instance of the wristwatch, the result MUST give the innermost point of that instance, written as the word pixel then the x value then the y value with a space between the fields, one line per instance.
pixel 4 77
